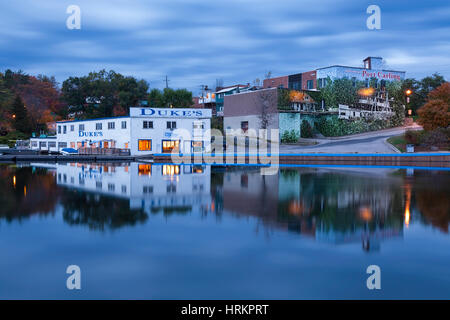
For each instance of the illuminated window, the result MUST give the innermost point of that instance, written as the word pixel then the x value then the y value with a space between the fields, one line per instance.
pixel 145 169
pixel 72 145
pixel 145 145
pixel 126 145
pixel 170 145
pixel 106 144
pixel 197 169
pixel 170 170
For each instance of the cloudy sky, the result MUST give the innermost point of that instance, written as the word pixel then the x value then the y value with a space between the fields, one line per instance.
pixel 196 42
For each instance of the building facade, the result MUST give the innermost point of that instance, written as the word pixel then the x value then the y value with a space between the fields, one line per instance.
pixel 373 69
pixel 144 131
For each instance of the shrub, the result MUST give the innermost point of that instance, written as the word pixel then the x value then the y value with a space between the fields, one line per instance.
pixel 306 130
pixel 413 137
pixel 289 136
pixel 437 138
pixel 334 127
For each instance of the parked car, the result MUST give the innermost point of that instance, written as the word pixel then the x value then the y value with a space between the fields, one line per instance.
pixel 68 151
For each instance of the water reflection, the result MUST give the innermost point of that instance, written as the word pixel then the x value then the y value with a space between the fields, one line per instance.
pixel 328 205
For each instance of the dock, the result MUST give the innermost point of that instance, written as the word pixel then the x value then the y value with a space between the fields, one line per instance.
pixel 441 160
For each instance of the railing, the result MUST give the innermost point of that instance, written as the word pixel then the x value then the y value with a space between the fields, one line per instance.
pixel 104 151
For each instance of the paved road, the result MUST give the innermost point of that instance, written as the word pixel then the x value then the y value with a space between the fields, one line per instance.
pixel 370 142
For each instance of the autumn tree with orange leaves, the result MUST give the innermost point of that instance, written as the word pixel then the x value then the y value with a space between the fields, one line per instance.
pixel 436 112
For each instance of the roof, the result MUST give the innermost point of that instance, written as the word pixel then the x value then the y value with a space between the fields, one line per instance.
pixel 229 89
pixel 96 119
pixel 42 138
pixel 341 66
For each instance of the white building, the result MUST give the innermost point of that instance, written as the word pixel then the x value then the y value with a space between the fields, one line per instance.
pixel 144 131
pixel 147 186
pixel 44 143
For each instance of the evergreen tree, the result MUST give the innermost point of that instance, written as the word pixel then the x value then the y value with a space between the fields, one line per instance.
pixel 21 119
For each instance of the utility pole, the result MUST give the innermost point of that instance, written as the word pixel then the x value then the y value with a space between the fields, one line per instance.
pixel 167 82
pixel 204 88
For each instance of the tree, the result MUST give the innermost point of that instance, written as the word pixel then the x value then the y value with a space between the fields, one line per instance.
pixel 20 115
pixel 436 112
pixel 103 94
pixel 180 98
pixel 340 91
pixel 267 102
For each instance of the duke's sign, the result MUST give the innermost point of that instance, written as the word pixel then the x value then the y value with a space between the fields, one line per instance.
pixel 90 134
pixel 170 113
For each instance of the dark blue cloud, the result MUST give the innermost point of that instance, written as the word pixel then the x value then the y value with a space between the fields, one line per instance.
pixel 196 42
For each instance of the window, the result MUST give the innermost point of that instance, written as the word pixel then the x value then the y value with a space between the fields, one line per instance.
pixel 72 127
pixel 81 127
pixel 147 189
pixel 124 124
pixel 111 187
pixel 98 126
pixel 145 145
pixel 147 125
pixel 62 144
pixel 170 145
pixel 34 144
pixel 197 146
pixel 124 189
pixel 171 188
pixel 145 169
pixel 309 84
pixel 244 126
pixel 72 145
pixel 171 125
pixel 170 170
pixel 59 129
pixel 64 129
pixel 98 184
pixel 111 125
pixel 198 125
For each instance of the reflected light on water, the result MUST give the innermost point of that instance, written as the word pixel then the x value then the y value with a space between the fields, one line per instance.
pixel 407 205
pixel 365 213
pixel 14 181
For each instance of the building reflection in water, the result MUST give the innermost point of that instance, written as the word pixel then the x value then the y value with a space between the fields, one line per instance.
pixel 326 205
pixel 145 188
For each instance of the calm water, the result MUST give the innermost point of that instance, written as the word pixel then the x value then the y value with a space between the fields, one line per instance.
pixel 142 231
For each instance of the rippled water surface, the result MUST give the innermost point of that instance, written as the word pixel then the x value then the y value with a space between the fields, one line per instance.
pixel 143 231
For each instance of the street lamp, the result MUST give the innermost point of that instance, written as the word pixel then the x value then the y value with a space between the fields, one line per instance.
pixel 408 92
